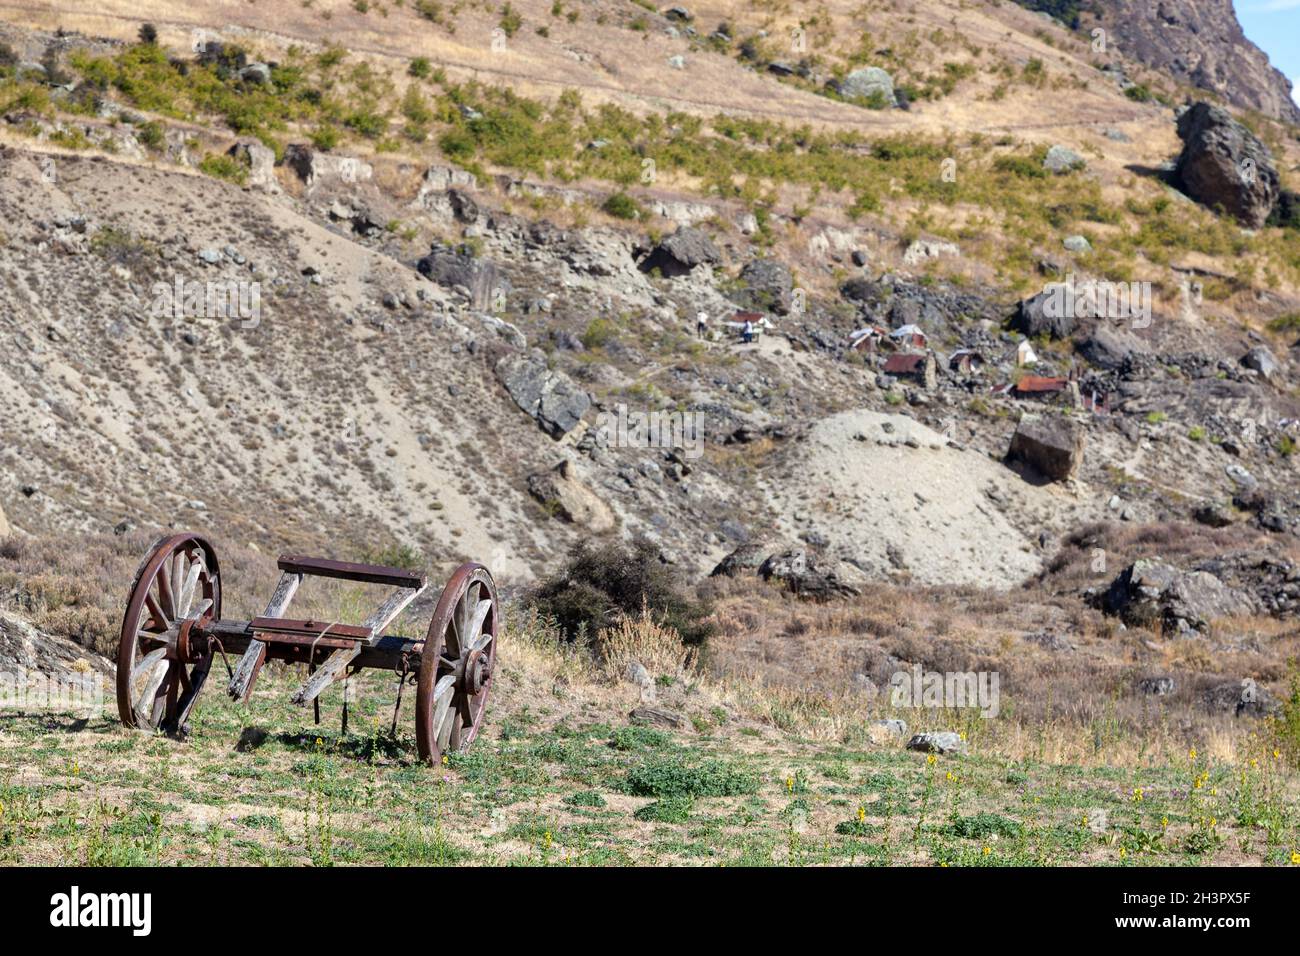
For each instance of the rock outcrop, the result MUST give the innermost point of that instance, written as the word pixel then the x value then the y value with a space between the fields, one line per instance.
pixel 682 252
pixel 563 493
pixel 1153 594
pixel 1199 42
pixel 549 396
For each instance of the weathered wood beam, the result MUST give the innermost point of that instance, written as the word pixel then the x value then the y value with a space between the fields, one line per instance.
pixel 241 684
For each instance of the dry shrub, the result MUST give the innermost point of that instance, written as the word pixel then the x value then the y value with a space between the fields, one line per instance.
pixel 655 647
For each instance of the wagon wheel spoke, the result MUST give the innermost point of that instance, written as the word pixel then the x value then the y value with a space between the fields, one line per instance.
pixel 202 608
pixel 188 589
pixel 479 640
pixel 443 693
pixel 146 702
pixel 166 599
pixel 158 619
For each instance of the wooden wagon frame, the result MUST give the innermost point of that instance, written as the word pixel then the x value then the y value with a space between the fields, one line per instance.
pixel 173 631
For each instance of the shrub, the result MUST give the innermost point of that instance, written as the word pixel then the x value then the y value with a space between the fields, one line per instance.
pixel 984 824
pixel 605 581
pixel 668 778
pixel 419 68
pixel 224 167
pixel 622 206
pixel 668 810
pixel 148 34
pixel 637 738
pixel 511 21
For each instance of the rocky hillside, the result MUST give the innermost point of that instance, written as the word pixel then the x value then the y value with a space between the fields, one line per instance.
pixel 1014 308
pixel 1200 42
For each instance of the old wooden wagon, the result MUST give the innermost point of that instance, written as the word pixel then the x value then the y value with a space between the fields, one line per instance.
pixel 173 632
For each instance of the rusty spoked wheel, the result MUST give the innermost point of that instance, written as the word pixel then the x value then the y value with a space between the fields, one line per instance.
pixel 457 664
pixel 158 675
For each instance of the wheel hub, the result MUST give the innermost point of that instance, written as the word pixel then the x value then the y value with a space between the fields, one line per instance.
pixel 475 673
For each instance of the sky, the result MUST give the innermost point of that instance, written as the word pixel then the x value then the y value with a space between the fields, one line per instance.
pixel 1274 27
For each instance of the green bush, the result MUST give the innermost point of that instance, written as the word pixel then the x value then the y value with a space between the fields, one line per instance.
pixel 984 824
pixel 669 778
pixel 637 738
pixel 607 580
pixel 622 206
pixel 668 810
pixel 224 167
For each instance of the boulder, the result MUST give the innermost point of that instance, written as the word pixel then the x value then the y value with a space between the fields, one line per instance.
pixel 940 742
pixel 1150 593
pixel 805 575
pixel 768 286
pixel 564 494
pixel 1034 317
pixel 480 279
pixel 1224 166
pixel 1241 698
pixel 748 557
pixel 681 252
pixel 870 83
pixel 1051 446
pixel 1262 361
pixel 1109 347
pixel 315 168
pixel 1077 243
pixel 260 160
pixel 549 396
pixel 1060 159
pixel 5 529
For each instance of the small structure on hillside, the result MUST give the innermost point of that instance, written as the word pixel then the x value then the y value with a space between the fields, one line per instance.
pixel 909 336
pixel 918 367
pixel 748 325
pixel 1046 389
pixel 966 361
pixel 1025 354
pixel 866 339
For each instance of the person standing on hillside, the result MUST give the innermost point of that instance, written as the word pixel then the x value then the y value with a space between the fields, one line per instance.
pixel 701 324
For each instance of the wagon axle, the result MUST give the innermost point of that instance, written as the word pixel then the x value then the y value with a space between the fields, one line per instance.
pixel 172 630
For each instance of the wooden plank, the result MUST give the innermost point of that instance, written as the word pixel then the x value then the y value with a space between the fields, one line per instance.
pixel 334 667
pixel 366 573
pixel 387 612
pixel 241 684
pixel 289 627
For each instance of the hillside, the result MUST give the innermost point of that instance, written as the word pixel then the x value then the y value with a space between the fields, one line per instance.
pixel 387 281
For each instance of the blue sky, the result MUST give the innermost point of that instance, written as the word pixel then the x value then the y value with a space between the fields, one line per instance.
pixel 1274 27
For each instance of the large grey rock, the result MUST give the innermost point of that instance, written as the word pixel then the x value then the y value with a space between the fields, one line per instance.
pixel 1109 347
pixel 805 575
pixel 1060 159
pixel 1224 166
pixel 768 286
pixel 549 396
pixel 480 279
pixel 316 168
pixel 1262 361
pixel 1052 446
pixel 869 83
pixel 681 252
pixel 1241 698
pixel 938 742
pixel 562 492
pixel 260 160
pixel 1150 593
pixel 1033 317
pixel 747 557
